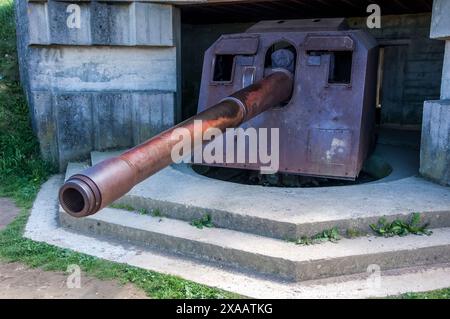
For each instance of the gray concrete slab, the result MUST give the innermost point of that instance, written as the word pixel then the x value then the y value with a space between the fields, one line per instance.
pixel 262 254
pixel 435 148
pixel 121 23
pixel 110 82
pixel 440 23
pixel 180 193
pixel 42 226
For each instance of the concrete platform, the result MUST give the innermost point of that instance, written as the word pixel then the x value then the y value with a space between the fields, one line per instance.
pixel 265 255
pixel 43 226
pixel 283 213
pixel 253 222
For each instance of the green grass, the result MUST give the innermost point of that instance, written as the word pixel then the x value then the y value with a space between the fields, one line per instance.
pixel 141 211
pixel 156 213
pixel 204 221
pixel 354 233
pixel 13 247
pixel 22 172
pixel 327 235
pixel 436 294
pixel 123 206
pixel 21 169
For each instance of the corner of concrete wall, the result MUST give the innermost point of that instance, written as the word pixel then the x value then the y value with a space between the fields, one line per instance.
pixel 440 22
pixel 112 81
pixel 435 145
pixel 177 39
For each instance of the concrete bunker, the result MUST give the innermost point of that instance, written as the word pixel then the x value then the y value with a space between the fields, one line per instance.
pixel 120 81
pixel 112 89
pixel 84 74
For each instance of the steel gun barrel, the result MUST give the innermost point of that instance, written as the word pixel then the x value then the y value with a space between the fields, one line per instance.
pixel 94 188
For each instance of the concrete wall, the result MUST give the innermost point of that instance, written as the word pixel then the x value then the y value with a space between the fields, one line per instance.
pixel 445 86
pixel 112 83
pixel 441 22
pixel 435 147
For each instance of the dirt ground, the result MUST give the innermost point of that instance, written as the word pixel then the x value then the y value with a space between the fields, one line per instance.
pixel 8 211
pixel 19 281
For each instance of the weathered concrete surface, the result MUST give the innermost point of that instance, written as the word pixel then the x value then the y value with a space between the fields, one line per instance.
pixel 266 255
pixel 102 23
pixel 269 212
pixel 435 148
pixel 78 69
pixel 180 193
pixel 70 125
pixel 42 226
pixel 445 87
pixel 113 82
pixel 440 24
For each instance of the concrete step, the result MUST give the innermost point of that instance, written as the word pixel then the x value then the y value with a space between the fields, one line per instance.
pixel 43 226
pixel 265 255
pixel 283 213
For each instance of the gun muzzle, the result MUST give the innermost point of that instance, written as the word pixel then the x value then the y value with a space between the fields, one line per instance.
pixel 89 191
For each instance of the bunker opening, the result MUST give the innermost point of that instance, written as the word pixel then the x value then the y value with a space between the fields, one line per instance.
pixel 340 70
pixel 223 67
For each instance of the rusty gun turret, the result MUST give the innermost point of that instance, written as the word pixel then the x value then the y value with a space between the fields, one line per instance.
pixel 94 188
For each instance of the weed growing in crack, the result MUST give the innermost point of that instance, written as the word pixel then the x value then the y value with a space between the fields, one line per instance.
pixel 331 235
pixel 401 228
pixel 205 221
